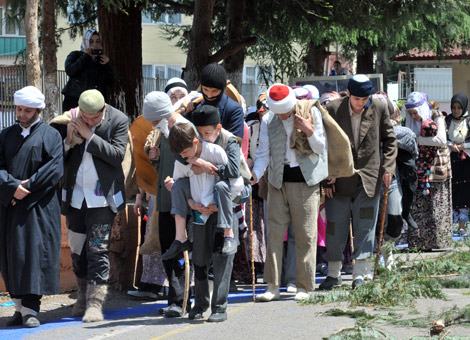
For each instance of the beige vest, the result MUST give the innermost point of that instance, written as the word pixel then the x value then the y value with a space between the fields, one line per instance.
pixel 244 169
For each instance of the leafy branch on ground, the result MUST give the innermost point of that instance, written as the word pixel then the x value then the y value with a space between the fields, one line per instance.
pixel 409 280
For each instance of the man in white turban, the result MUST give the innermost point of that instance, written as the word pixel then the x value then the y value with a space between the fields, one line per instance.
pixel 31 166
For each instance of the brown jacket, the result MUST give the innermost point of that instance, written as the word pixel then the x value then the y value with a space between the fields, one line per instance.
pixel 375 128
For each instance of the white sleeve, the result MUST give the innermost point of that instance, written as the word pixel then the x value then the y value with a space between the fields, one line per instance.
pixel 180 170
pixel 263 151
pixel 438 140
pixel 317 141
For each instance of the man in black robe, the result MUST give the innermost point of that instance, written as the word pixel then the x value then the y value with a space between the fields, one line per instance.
pixel 31 166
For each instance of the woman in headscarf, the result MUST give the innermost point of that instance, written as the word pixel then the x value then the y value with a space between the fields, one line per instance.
pixel 432 209
pixel 87 69
pixel 458 138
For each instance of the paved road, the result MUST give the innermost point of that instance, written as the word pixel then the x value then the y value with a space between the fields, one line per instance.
pixel 284 319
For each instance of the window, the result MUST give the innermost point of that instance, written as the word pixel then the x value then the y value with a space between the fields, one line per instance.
pixel 249 74
pixel 161 71
pixel 9 25
pixel 164 19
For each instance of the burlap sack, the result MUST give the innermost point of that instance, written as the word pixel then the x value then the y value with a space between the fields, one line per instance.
pixel 152 240
pixel 340 158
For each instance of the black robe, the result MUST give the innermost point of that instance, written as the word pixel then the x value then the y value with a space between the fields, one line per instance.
pixel 30 231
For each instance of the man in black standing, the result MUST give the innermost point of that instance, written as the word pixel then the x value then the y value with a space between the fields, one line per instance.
pixel 31 166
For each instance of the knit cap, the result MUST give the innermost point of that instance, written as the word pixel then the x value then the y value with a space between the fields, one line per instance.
pixel 214 75
pixel 157 106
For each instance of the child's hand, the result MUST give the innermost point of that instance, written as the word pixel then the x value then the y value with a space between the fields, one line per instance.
pixel 196 169
pixel 206 167
pixel 168 183
pixel 208 210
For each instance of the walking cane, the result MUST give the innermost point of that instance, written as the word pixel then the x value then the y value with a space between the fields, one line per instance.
pixel 253 277
pixel 186 282
pixel 379 245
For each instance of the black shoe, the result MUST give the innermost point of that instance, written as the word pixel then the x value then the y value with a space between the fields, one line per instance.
pixel 30 321
pixel 196 313
pixel 330 282
pixel 15 320
pixel 175 249
pixel 233 287
pixel 230 246
pixel 357 283
pixel 217 317
pixel 173 311
pixel 322 269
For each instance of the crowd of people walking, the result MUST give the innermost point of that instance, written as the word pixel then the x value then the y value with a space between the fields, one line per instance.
pixel 315 166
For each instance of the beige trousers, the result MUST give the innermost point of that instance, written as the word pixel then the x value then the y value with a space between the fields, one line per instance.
pixel 298 203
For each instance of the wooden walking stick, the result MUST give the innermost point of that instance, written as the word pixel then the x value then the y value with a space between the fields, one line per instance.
pixel 186 282
pixel 379 245
pixel 253 276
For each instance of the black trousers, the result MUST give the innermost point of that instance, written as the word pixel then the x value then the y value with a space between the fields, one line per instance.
pixel 208 239
pixel 30 301
pixel 174 268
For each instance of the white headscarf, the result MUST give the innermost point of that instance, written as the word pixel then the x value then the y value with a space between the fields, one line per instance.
pixel 418 102
pixel 313 90
pixel 86 38
pixel 175 84
pixel 30 96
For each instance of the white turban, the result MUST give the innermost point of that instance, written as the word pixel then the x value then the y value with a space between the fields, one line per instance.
pixel 30 96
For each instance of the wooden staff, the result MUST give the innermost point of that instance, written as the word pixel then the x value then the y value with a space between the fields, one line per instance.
pixel 384 211
pixel 253 276
pixel 351 239
pixel 182 110
pixel 186 282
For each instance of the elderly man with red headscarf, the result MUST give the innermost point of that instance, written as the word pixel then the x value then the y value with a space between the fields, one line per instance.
pixel 296 168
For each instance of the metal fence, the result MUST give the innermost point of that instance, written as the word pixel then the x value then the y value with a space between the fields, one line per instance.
pixel 13 78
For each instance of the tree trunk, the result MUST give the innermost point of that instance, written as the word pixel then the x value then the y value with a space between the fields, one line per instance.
pixel 315 59
pixel 381 67
pixel 32 43
pixel 365 59
pixel 236 32
pixel 121 36
pixel 49 49
pixel 199 41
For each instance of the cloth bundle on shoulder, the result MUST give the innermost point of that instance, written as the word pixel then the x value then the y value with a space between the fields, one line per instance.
pixel 340 158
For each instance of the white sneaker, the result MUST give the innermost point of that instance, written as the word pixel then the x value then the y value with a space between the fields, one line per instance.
pixel 271 293
pixel 301 294
pixel 140 294
pixel 291 288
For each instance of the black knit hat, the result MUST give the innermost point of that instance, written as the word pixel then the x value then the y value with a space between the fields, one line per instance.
pixel 205 115
pixel 214 75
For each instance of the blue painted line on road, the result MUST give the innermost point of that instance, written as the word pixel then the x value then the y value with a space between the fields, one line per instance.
pixel 20 333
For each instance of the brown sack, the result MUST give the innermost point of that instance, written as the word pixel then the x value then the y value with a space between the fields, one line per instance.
pixel 152 240
pixel 340 157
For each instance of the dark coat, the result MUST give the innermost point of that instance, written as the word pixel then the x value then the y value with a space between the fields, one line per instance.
pixel 231 115
pixel 375 128
pixel 108 147
pixel 86 74
pixel 30 231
